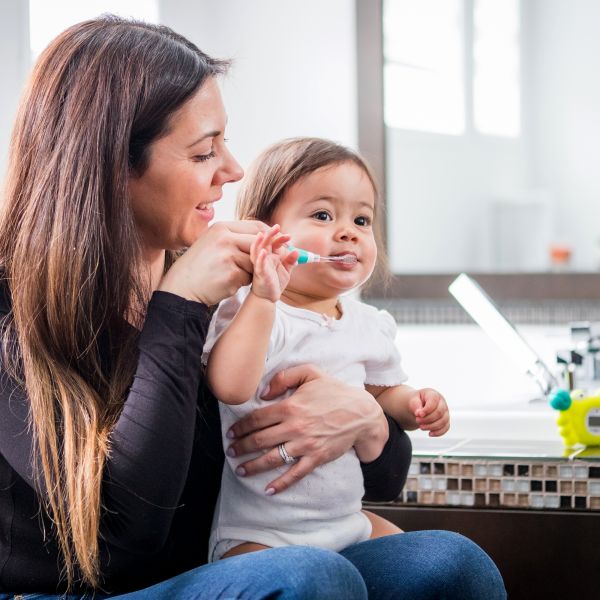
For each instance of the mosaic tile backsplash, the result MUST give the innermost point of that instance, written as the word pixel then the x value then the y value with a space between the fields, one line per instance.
pixel 506 474
pixel 519 312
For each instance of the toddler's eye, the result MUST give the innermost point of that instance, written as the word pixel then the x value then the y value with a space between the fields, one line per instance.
pixel 362 221
pixel 322 215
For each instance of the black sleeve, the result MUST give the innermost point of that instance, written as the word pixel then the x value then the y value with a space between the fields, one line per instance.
pixel 385 476
pixel 151 444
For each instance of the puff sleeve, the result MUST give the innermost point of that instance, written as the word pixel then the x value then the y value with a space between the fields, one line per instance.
pixel 385 366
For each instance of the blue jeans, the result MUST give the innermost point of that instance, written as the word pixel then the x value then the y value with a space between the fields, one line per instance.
pixel 420 565
pixel 426 565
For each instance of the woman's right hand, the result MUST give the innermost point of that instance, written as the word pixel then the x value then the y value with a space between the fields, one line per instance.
pixel 216 265
pixel 320 421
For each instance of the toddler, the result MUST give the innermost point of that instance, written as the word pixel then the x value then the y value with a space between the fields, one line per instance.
pixel 321 197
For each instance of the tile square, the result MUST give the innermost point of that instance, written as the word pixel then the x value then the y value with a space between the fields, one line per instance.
pixel 536 501
pixel 467 470
pixel 537 470
pixel 494 499
pixel 481 485
pixel 494 485
pixel 566 487
pixel 523 499
pixel 565 501
pixel 439 468
pixel 551 501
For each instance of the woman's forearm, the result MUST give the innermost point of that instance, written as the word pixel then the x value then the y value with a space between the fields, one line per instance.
pixel 372 439
pixel 151 443
pixel 385 477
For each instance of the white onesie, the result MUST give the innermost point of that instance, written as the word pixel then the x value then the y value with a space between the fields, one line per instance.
pixel 324 508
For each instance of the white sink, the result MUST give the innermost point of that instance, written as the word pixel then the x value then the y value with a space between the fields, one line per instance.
pixel 487 395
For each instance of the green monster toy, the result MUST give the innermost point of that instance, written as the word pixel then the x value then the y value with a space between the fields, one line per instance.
pixel 579 417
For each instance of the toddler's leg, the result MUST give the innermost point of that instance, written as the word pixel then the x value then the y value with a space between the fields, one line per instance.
pixel 244 548
pixel 381 526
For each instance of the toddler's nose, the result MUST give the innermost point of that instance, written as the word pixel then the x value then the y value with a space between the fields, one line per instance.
pixel 346 234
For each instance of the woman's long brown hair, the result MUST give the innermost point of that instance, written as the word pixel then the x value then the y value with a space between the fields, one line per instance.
pixel 99 95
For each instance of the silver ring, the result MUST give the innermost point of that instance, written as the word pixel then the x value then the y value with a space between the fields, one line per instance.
pixel 287 459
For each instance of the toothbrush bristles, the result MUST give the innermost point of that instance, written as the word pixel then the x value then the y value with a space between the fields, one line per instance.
pixel 347 259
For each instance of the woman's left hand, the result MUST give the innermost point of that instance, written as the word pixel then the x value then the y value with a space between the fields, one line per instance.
pixel 318 423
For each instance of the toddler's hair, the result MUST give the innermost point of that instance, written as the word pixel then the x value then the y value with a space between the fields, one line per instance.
pixel 283 164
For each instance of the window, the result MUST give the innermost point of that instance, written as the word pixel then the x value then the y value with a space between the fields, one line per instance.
pixel 423 65
pixel 452 65
pixel 496 89
pixel 48 19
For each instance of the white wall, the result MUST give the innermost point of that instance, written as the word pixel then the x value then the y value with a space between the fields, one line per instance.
pixel 293 72
pixel 14 63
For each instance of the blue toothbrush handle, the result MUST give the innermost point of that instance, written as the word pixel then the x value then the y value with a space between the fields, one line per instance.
pixel 304 256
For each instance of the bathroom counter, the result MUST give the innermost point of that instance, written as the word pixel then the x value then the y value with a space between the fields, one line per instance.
pixel 534 506
pixel 502 473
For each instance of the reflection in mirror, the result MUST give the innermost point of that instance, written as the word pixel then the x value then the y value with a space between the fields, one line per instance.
pixel 492 115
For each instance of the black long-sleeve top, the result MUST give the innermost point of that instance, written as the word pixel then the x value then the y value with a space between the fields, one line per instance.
pixel 163 474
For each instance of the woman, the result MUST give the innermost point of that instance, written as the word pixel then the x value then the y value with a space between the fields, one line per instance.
pixel 110 456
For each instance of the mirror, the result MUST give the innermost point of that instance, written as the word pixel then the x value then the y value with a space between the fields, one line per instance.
pixel 490 150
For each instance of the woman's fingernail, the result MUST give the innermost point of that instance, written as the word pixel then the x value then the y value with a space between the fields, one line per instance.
pixel 270 491
pixel 240 471
pixel 230 451
pixel 265 391
pixel 230 434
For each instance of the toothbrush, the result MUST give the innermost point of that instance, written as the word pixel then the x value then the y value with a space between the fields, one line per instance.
pixel 305 257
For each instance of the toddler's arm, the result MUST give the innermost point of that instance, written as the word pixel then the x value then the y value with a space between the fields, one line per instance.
pixel 424 409
pixel 237 360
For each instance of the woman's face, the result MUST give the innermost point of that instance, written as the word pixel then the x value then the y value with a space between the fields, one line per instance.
pixel 172 201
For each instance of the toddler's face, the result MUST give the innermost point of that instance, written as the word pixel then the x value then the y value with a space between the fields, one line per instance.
pixel 330 212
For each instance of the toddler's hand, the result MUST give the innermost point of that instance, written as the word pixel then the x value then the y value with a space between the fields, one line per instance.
pixel 272 262
pixel 431 411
